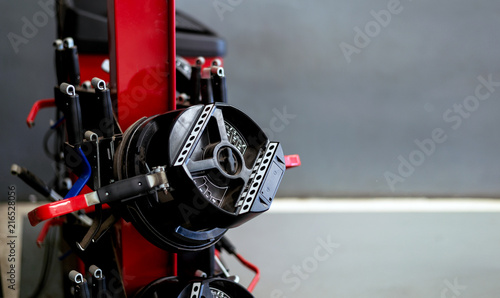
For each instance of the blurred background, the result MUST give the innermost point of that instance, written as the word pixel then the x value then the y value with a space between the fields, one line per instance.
pixel 353 106
pixel 380 98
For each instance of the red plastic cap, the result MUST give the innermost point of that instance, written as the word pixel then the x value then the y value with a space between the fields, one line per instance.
pixel 292 161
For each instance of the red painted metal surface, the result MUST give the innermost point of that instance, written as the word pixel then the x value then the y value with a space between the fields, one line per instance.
pixel 142 77
pixel 141 261
pixel 46 227
pixel 39 104
pixel 142 57
pixel 90 67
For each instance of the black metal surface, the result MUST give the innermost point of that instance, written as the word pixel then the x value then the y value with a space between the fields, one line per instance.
pixel 101 253
pixel 210 154
pixel 97 112
pixel 188 262
pixel 86 22
pixel 173 287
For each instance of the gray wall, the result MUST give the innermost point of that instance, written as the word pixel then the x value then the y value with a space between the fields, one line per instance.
pixel 25 76
pixel 351 122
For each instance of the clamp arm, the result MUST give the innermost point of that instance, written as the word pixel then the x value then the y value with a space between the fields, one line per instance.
pixel 124 189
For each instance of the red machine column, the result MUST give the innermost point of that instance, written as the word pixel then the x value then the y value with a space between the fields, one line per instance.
pixel 142 66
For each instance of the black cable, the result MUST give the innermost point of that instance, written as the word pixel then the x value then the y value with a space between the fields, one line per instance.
pixel 46 139
pixel 56 128
pixel 55 153
pixel 50 242
pixel 227 245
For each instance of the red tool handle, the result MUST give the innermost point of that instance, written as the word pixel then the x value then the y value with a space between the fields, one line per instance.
pixel 39 104
pixel 252 267
pixel 45 230
pixel 56 209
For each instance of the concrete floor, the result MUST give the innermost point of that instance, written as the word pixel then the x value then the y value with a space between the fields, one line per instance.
pixel 355 248
pixel 434 253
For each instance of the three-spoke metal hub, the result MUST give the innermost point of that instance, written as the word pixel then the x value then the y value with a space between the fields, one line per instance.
pixel 221 168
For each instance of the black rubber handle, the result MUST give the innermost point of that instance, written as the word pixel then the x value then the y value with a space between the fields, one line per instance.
pixel 31 179
pixel 72 64
pixel 207 96
pixel 73 116
pixel 98 286
pixel 106 124
pixel 60 68
pixel 227 245
pixel 195 84
pixel 219 89
pixel 82 290
pixel 124 189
